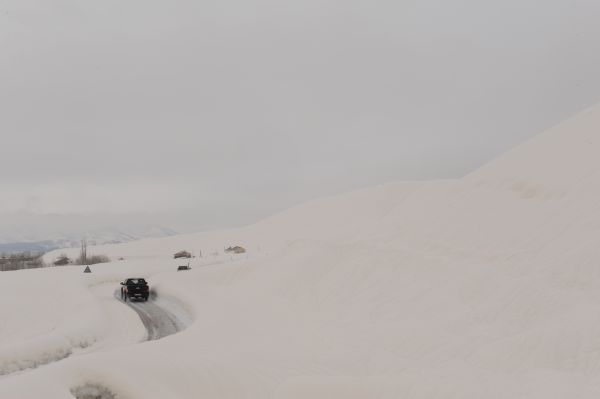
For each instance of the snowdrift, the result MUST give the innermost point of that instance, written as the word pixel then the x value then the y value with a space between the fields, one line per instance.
pixel 487 286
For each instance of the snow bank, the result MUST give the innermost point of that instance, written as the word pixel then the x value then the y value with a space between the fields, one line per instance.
pixel 37 325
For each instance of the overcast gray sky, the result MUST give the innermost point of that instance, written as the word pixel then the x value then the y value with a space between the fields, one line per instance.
pixel 217 113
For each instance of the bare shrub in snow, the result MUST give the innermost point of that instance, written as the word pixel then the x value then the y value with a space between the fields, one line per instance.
pixel 92 260
pixel 25 260
pixel 62 260
pixel 95 259
pixel 92 391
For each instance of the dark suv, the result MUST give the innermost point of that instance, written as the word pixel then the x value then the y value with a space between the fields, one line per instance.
pixel 135 288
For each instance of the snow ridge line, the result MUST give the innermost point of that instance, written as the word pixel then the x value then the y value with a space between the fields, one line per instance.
pixel 42 357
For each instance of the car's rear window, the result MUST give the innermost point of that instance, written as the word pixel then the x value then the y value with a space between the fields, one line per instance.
pixel 137 281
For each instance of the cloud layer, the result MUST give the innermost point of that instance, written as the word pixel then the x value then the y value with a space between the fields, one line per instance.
pixel 245 107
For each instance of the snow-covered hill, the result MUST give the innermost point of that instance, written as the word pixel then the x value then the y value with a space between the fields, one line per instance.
pixel 483 287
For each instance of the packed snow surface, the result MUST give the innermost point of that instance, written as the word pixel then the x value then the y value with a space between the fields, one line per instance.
pixel 482 287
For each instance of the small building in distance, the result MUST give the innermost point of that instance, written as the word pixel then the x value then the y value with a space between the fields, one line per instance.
pixel 182 254
pixel 236 250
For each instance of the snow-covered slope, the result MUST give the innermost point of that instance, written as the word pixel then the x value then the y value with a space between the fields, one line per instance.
pixel 333 218
pixel 487 286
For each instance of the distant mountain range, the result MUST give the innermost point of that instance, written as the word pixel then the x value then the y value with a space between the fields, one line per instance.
pixel 14 244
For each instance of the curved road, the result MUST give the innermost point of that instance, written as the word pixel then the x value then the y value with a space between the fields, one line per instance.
pixel 159 322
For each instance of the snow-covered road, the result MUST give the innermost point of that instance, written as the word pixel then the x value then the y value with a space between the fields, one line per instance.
pixel 157 319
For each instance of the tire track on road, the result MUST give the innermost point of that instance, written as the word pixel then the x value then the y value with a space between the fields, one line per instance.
pixel 158 321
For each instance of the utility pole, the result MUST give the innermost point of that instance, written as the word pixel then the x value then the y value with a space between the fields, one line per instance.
pixel 83 255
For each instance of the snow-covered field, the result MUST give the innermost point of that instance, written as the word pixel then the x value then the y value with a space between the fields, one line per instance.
pixel 483 287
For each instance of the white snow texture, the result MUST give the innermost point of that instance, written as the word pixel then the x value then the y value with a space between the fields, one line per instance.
pixel 482 287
